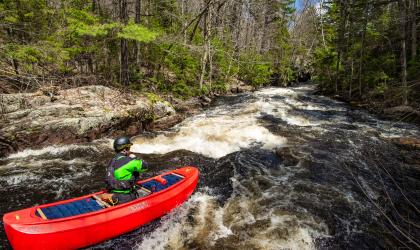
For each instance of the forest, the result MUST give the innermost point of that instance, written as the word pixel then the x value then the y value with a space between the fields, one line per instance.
pixel 358 50
pixel 321 152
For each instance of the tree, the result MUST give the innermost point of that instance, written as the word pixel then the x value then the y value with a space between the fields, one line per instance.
pixel 124 76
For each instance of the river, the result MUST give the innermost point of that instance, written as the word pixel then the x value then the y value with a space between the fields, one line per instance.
pixel 279 169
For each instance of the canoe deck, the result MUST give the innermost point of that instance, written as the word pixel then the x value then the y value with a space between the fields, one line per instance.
pixel 87 205
pixel 88 220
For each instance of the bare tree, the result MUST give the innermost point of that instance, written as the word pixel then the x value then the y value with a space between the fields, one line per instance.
pixel 403 9
pixel 414 26
pixel 124 74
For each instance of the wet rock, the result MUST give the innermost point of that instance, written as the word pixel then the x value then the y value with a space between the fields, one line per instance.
pixel 162 109
pixel 403 113
pixel 399 109
pixel 167 122
pixel 133 129
pixel 12 103
pixel 237 86
pixel 409 142
pixel 73 115
pixel 190 106
pixel 285 154
pixel 205 99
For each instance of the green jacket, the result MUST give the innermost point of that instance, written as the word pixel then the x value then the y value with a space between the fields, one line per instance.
pixel 122 173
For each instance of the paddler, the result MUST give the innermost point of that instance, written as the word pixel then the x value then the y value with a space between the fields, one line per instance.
pixel 123 172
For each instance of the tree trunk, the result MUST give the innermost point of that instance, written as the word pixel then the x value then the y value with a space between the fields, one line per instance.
pixel 184 21
pixel 116 6
pixel 94 5
pixel 265 30
pixel 137 20
pixel 403 9
pixel 362 49
pixel 413 29
pixel 209 34
pixel 15 63
pixel 138 12
pixel 337 68
pixel 206 47
pixel 322 23
pixel 349 29
pixel 90 64
pixel 124 78
pixel 351 78
pixel 343 21
pixel 237 10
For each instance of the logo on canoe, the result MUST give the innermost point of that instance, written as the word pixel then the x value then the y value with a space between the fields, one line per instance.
pixel 138 206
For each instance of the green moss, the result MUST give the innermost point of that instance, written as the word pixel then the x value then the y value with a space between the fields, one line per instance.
pixel 107 109
pixel 153 98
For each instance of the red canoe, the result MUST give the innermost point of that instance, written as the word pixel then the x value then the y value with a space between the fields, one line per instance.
pixel 85 221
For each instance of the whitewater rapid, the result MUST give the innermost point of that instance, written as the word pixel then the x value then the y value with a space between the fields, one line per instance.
pixel 280 168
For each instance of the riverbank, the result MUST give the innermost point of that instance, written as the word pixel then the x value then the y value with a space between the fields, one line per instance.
pixel 82 114
pixel 386 106
pixel 279 168
pixel 393 114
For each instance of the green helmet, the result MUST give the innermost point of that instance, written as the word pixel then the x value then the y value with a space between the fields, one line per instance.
pixel 121 143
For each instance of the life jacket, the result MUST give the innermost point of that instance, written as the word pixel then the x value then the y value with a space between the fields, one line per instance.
pixel 119 186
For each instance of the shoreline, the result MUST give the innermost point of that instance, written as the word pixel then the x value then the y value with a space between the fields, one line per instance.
pixel 83 114
pixel 136 116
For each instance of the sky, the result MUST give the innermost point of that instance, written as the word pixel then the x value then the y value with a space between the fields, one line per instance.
pixel 299 4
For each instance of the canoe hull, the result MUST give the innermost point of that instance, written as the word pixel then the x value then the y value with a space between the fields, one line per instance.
pixel 25 230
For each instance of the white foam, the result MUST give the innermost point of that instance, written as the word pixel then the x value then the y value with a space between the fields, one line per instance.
pixel 19 178
pixel 169 234
pixel 53 150
pixel 28 175
pixel 213 135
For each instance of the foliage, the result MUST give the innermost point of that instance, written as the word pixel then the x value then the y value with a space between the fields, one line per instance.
pixel 153 98
pixel 137 33
pixel 363 50
pixel 73 39
pixel 254 70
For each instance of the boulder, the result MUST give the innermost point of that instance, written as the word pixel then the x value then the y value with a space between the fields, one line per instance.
pixel 73 115
pixel 403 113
pixel 410 142
pixel 237 86
pixel 398 109
pixel 162 109
pixel 167 122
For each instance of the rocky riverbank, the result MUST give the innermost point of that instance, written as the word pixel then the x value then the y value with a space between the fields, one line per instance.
pixel 51 116
pixel 82 114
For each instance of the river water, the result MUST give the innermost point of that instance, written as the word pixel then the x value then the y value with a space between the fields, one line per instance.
pixel 279 169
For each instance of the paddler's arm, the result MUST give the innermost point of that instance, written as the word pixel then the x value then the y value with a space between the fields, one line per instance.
pixel 143 166
pixel 126 171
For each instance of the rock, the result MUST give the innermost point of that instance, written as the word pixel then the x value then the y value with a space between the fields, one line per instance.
pixel 190 106
pixel 167 122
pixel 403 113
pixel 84 114
pixel 288 159
pixel 76 115
pixel 162 109
pixel 17 115
pixel 410 142
pixel 38 101
pixel 133 130
pixel 237 86
pixel 11 103
pixel 399 109
pixel 205 99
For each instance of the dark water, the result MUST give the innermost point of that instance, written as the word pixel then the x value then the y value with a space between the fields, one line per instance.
pixel 280 169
